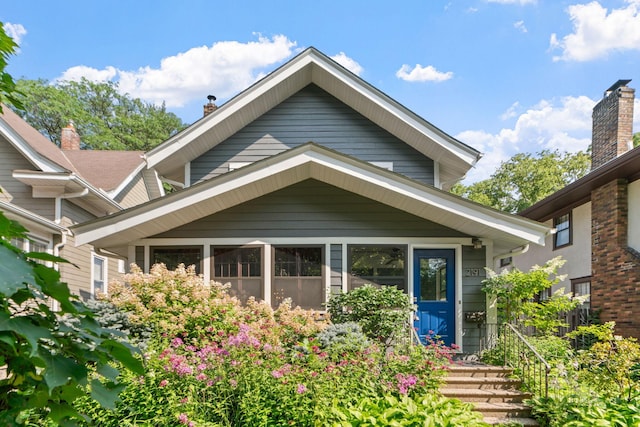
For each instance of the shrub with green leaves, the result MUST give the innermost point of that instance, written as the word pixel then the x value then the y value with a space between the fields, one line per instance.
pixel 389 410
pixel 48 363
pixel 382 312
pixel 343 338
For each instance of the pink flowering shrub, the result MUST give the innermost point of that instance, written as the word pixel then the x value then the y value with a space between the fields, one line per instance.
pixel 214 361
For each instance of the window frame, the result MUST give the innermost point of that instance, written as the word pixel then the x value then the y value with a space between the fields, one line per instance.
pixel 105 274
pixel 569 230
pixel 239 278
pixel 351 277
pixel 299 279
pixel 154 248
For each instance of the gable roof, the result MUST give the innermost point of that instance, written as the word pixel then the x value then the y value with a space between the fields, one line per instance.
pixel 311 66
pixel 308 161
pixel 625 166
pixel 101 173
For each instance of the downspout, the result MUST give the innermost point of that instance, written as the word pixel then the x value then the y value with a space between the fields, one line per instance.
pixel 56 266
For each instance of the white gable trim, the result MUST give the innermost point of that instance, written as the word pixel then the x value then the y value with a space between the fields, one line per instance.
pixel 308 162
pixel 27 151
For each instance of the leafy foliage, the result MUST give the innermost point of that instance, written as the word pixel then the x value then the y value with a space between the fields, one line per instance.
pixel 8 91
pixel 388 410
pixel 525 179
pixel 381 312
pixel 104 118
pixel 50 358
pixel 516 290
pixel 237 365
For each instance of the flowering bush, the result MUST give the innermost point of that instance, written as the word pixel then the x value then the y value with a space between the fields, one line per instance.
pixel 215 362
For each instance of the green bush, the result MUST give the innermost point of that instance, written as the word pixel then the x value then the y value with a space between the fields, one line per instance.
pixel 430 410
pixel 343 338
pixel 382 313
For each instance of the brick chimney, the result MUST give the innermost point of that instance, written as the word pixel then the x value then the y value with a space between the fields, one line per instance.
pixel 210 107
pixel 612 133
pixel 69 138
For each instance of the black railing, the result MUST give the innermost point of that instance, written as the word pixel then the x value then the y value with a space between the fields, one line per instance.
pixel 527 363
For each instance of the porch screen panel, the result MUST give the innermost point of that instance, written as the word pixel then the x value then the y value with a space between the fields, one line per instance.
pixel 172 256
pixel 379 265
pixel 297 274
pixel 241 268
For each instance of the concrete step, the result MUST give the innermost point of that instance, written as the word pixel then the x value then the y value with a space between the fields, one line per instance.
pixel 502 410
pixel 481 382
pixel 492 395
pixel 513 421
pixel 479 371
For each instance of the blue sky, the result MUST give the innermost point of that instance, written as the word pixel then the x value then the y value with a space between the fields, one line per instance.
pixel 504 76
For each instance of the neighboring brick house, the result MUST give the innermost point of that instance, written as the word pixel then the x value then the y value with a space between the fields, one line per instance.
pixel 597 219
pixel 48 189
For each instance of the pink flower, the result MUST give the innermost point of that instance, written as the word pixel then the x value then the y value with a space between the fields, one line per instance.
pixel 301 389
pixel 163 383
pixel 183 419
pixel 201 377
pixel 277 374
pixel 177 342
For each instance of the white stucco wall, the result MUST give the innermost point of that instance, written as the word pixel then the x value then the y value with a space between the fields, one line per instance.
pixel 577 255
pixel 634 215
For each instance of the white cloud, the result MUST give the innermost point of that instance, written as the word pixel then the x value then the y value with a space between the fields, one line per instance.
pixel 422 74
pixel 561 124
pixel 520 2
pixel 511 111
pixel 348 63
pixel 519 25
pixel 15 31
pixel 596 33
pixel 222 69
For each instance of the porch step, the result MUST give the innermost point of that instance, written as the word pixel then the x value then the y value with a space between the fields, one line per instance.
pixel 491 390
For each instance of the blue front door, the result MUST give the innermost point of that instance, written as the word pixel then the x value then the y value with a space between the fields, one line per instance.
pixel 434 293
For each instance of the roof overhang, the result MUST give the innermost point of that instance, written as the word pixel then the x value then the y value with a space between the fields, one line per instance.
pixel 454 157
pixel 309 161
pixel 67 185
pixel 626 166
pixel 30 220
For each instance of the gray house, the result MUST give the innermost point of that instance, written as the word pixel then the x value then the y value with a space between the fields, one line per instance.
pixel 313 182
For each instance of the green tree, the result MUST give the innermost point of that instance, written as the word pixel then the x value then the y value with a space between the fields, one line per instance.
pixel 636 139
pixel 50 358
pixel 525 179
pixel 104 118
pixel 7 85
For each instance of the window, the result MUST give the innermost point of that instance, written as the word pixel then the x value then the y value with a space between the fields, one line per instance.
pixel 31 245
pixel 377 265
pixel 562 225
pixel 297 274
pixel 241 268
pixel 581 287
pixel 505 262
pixel 172 256
pixel 99 275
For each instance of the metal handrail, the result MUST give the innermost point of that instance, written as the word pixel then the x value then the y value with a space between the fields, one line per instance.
pixel 528 363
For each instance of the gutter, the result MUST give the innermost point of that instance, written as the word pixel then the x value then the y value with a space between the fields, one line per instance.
pixel 512 253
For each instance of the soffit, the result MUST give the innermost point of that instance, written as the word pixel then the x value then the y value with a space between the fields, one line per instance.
pixel 309 162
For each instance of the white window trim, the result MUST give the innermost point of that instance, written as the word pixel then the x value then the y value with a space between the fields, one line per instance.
pixel 105 269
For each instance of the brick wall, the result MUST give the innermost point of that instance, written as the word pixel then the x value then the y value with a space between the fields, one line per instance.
pixel 612 125
pixel 615 281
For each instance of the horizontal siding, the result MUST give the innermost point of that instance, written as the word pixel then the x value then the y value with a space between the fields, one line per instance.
pixel 313 115
pixel 473 298
pixel 133 194
pixel 336 269
pixel 311 209
pixel 13 190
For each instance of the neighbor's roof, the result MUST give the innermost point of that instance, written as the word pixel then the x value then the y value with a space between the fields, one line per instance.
pixel 105 170
pixel 626 166
pixel 308 161
pixel 311 66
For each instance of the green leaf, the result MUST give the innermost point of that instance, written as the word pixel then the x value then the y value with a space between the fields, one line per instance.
pixel 23 325
pixel 14 272
pixel 60 369
pixel 124 354
pixel 106 396
pixel 58 411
